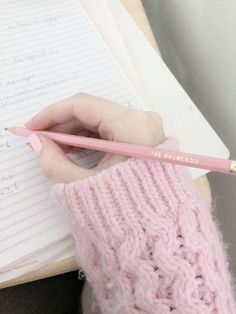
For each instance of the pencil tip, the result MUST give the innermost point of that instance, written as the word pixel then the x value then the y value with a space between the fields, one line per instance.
pixel 12 130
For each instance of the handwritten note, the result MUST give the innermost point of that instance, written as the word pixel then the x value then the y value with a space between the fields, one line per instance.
pixel 4 143
pixel 8 184
pixel 49 50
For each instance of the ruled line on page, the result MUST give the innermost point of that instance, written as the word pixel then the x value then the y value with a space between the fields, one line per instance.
pixel 25 208
pixel 72 76
pixel 41 194
pixel 25 45
pixel 29 237
pixel 10 225
pixel 48 19
pixel 15 63
pixel 51 50
pixel 45 91
pixel 72 29
pixel 122 99
pixel 34 7
pixel 23 189
pixel 53 63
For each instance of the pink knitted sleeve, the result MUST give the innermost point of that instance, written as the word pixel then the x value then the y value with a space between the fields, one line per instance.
pixel 146 241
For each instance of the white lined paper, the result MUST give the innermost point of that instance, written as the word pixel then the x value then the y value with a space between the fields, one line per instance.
pixel 40 63
pixel 54 253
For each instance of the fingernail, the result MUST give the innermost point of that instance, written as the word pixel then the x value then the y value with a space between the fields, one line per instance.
pixel 35 143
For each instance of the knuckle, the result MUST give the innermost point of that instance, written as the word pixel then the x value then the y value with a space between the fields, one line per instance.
pixel 48 109
pixel 137 116
pixel 148 119
pixel 155 121
pixel 77 101
pixel 154 116
pixel 106 130
pixel 81 98
pixel 154 128
pixel 81 95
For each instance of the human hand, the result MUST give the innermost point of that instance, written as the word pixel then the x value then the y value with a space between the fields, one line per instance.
pixel 92 116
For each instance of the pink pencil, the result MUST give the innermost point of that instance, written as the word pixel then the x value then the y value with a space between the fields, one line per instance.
pixel 142 152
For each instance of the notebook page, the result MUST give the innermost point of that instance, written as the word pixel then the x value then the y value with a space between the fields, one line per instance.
pixel 48 51
pixel 56 252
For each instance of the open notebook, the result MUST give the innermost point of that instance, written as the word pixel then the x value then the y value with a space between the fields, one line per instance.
pixel 51 50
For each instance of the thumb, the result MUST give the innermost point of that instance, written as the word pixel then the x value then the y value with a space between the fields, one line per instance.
pixel 56 165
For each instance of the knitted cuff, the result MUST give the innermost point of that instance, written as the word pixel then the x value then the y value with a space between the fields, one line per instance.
pixel 126 198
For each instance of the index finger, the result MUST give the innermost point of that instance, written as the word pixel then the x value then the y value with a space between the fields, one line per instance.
pixel 89 110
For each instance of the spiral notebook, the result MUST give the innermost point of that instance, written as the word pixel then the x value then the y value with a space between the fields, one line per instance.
pixel 51 50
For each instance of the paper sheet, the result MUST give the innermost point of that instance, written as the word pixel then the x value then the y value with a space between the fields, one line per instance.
pixel 56 252
pixel 106 26
pixel 49 51
pixel 163 93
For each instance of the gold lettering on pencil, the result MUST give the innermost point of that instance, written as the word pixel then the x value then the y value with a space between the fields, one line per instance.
pixel 156 154
pixel 177 157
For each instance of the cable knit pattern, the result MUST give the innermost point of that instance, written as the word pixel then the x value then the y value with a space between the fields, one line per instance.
pixel 146 240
